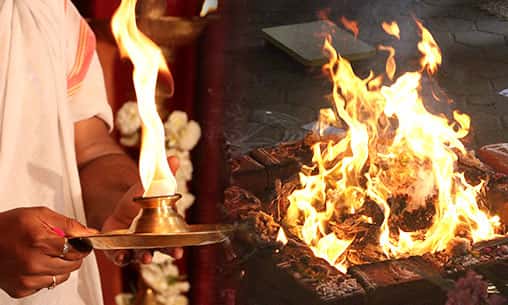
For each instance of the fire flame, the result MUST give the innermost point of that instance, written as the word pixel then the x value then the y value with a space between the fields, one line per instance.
pixel 391 28
pixel 391 65
pixel 208 7
pixel 350 25
pixel 393 146
pixel 148 60
pixel 281 237
pixel 431 58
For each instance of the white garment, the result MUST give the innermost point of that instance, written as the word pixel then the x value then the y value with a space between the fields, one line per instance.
pixel 50 78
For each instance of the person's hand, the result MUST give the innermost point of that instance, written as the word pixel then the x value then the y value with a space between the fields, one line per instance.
pixel 32 250
pixel 122 217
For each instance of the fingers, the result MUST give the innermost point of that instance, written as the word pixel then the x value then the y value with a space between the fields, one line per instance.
pixel 69 226
pixel 123 258
pixel 176 253
pixel 174 164
pixel 143 256
pixel 32 284
pixel 49 282
pixel 45 265
pixel 120 258
pixel 60 247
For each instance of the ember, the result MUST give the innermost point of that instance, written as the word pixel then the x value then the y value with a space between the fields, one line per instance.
pixel 392 183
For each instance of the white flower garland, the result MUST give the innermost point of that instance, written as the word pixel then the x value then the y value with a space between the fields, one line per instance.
pixel 163 277
pixel 182 135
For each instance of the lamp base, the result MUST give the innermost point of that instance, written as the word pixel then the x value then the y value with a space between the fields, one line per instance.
pixel 157 226
pixel 197 235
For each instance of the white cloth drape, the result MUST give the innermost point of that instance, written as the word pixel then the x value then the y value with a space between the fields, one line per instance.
pixel 50 78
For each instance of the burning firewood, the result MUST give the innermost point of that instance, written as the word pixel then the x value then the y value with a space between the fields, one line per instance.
pixel 396 201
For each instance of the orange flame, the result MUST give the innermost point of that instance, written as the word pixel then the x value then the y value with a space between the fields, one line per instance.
pixel 351 25
pixel 281 237
pixel 147 58
pixel 391 28
pixel 393 146
pixel 209 6
pixel 391 65
pixel 431 59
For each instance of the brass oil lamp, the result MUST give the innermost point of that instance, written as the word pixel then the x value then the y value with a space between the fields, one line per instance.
pixel 158 225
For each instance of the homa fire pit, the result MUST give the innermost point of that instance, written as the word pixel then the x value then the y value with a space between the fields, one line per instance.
pixel 289 273
pixel 384 213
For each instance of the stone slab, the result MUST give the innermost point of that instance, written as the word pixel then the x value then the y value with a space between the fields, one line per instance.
pixel 493 26
pixel 304 42
pixel 479 39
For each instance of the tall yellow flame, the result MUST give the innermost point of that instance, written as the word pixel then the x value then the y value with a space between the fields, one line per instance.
pixel 148 60
pixel 393 146
pixel 431 59
pixel 208 7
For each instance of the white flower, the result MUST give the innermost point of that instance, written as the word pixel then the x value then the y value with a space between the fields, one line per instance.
pixel 176 121
pixel 124 299
pixel 128 121
pixel 185 169
pixel 130 140
pixel 154 277
pixel 181 186
pixel 164 278
pixel 175 290
pixel 172 300
pixel 158 273
pixel 180 132
pixel 190 135
pixel 184 203
pixel 161 258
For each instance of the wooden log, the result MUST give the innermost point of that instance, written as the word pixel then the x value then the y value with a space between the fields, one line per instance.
pixel 404 282
pixel 277 165
pixel 495 155
pixel 249 174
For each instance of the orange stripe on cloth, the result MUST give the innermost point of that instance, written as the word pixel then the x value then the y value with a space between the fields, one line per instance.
pixel 84 55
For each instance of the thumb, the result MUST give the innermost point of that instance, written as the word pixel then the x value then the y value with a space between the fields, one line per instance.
pixel 66 226
pixel 174 163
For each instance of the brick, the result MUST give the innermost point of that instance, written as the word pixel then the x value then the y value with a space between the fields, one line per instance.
pixel 294 275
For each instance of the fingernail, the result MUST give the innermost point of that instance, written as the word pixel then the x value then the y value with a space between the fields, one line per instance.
pixel 147 258
pixel 59 232
pixel 92 231
pixel 178 253
pixel 120 258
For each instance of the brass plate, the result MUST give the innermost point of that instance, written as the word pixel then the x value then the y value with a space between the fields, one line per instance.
pixel 198 235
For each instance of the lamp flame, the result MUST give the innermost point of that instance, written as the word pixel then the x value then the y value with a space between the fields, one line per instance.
pixel 148 61
pixel 209 6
